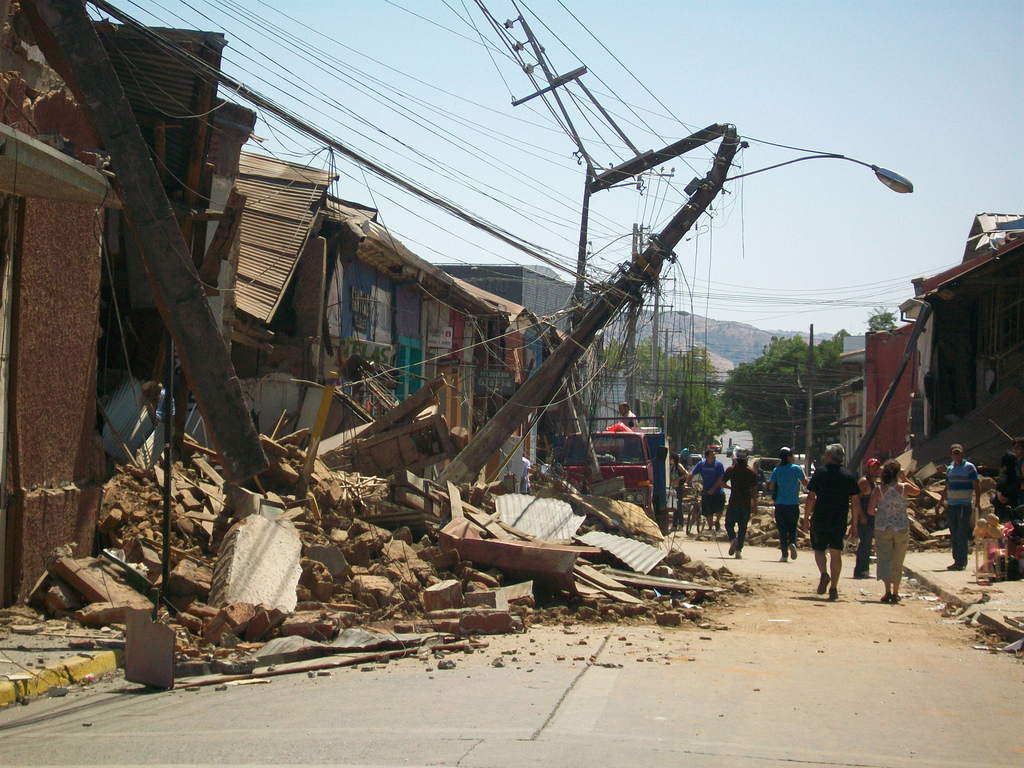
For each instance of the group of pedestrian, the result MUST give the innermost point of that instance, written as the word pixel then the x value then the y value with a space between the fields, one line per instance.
pixel 877 501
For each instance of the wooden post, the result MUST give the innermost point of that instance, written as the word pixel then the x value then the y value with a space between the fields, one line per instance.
pixel 321 421
pixel 69 42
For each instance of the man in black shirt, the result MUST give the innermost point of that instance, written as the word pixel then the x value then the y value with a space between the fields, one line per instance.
pixel 826 516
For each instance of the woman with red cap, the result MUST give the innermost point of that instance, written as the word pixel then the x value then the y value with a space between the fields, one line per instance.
pixel 862 525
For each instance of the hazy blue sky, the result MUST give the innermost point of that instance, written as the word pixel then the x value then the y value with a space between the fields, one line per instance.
pixel 933 90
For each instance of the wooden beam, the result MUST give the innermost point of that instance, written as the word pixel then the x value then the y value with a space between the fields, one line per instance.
pixel 69 42
pixel 223 237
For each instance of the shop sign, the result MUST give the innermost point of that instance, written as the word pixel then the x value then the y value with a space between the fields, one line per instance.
pixel 368 350
pixel 494 381
pixel 442 338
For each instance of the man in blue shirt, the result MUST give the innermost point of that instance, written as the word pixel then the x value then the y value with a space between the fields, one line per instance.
pixel 712 498
pixel 784 486
pixel 961 482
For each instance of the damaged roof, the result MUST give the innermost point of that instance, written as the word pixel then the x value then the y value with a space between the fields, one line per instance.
pixel 162 87
pixel 950 277
pixel 381 250
pixel 984 443
pixel 282 201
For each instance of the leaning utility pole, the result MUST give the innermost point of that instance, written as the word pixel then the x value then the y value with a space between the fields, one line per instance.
pixel 629 287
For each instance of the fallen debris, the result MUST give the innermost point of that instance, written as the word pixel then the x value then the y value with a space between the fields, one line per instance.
pixel 285 566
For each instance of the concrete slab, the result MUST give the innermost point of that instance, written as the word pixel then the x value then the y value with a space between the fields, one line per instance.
pixel 259 564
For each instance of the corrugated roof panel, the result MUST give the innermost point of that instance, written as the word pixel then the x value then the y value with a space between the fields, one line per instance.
pixel 641 557
pixel 160 85
pixel 548 519
pixel 281 201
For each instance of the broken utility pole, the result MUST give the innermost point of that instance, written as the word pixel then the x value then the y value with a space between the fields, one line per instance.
pixel 66 35
pixel 643 270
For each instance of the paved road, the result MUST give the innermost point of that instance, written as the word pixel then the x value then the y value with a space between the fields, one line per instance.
pixel 787 678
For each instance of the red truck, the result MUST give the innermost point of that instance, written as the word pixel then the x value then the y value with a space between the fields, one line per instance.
pixel 619 454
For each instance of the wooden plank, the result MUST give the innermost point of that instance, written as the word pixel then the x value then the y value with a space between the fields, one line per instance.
pixel 88 577
pixel 411 406
pixel 657 582
pixel 207 469
pixel 455 498
pixel 482 520
pixel 68 40
pixel 610 587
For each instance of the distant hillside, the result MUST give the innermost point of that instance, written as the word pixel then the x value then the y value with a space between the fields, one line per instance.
pixel 729 343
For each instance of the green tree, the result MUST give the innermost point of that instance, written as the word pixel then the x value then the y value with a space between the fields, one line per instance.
pixel 768 395
pixel 881 319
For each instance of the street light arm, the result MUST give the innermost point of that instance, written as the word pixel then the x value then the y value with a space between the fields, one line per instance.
pixel 894 181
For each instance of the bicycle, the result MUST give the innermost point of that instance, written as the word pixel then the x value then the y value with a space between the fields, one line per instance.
pixel 694 518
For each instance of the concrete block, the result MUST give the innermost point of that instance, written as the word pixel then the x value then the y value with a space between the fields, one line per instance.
pixel 311 625
pixel 668 619
pixel 264 621
pixel 60 597
pixel 488 598
pixel 149 651
pixel 484 622
pixel 379 588
pixel 232 618
pixel 447 594
pixel 103 614
pixel 258 563
pixel 332 557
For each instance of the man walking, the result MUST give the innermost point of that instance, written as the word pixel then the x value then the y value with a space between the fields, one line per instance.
pixel 961 480
pixel 826 515
pixel 784 486
pixel 742 500
pixel 863 525
pixel 712 497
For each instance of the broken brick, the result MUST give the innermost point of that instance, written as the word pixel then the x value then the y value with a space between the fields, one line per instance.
pixel 264 621
pixel 233 618
pixel 379 588
pixel 190 578
pixel 447 594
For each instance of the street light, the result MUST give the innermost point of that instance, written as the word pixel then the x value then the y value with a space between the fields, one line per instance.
pixel 891 179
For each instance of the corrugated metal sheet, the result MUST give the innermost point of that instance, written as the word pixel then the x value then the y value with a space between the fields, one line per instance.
pixel 548 519
pixel 982 442
pixel 282 200
pixel 161 86
pixel 128 413
pixel 639 556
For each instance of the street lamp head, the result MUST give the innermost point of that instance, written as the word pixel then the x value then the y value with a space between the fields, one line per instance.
pixel 893 180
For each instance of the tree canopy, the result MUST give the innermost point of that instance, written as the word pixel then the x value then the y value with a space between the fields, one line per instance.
pixel 768 395
pixel 881 319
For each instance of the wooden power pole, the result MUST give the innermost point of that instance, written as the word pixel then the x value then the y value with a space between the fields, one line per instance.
pixel 629 287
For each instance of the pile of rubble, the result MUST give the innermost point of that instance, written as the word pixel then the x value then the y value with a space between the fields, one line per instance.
pixel 305 551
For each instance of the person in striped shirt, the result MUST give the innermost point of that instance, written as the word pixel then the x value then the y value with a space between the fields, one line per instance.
pixel 961 483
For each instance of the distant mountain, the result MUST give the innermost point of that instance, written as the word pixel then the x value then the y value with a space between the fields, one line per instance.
pixel 729 343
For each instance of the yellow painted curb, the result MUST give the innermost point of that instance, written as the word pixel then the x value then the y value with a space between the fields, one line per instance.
pixel 34 682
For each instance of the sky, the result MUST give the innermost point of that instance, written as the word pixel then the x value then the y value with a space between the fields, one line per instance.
pixel 933 90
